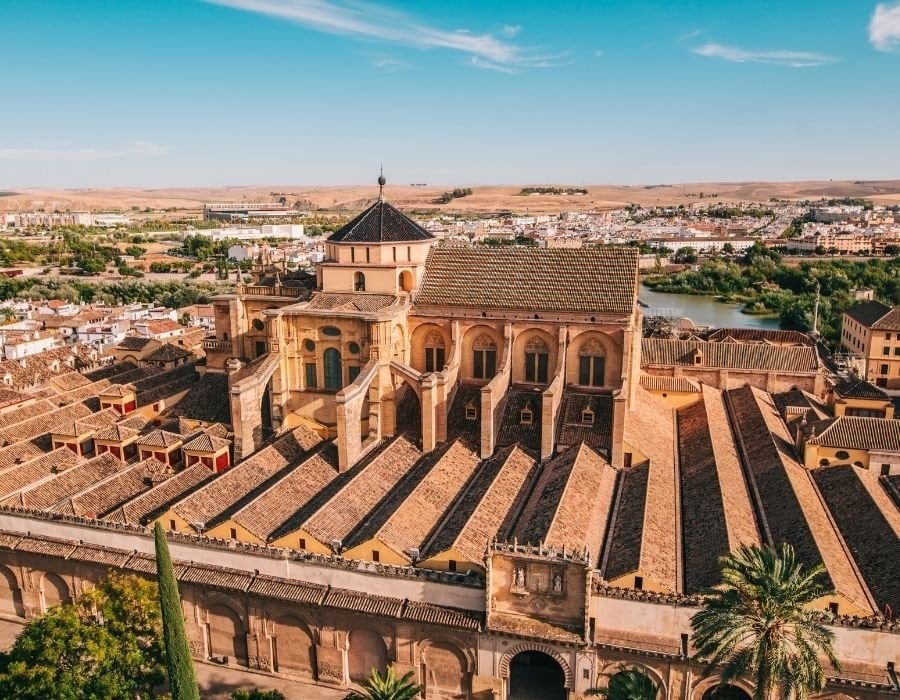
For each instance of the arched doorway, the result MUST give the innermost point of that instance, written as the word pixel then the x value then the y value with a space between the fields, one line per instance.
pixel 54 591
pixel 367 651
pixel 226 634
pixel 10 594
pixel 445 672
pixel 534 675
pixel 293 647
pixel 726 692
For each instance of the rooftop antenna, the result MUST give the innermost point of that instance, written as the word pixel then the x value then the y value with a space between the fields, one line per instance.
pixel 381 183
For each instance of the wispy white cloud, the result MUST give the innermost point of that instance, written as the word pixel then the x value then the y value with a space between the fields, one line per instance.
pixel 135 149
pixel 480 63
pixel 389 64
pixel 690 35
pixel 793 59
pixel 884 27
pixel 377 23
pixel 511 31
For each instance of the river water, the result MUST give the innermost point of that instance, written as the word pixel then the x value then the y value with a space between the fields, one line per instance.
pixel 704 311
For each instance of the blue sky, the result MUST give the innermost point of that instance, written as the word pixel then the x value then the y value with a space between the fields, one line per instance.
pixel 228 92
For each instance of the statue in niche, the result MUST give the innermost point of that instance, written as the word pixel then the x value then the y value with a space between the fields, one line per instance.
pixel 520 577
pixel 557 582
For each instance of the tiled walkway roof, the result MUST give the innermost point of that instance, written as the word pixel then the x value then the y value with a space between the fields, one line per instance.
pixel 852 432
pixel 584 280
pixel 738 356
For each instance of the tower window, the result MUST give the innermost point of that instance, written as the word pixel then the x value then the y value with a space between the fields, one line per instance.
pixel 359 281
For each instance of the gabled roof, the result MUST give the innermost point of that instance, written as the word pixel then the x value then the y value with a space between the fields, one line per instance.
pixel 160 438
pixel 868 313
pixel 853 432
pixel 740 356
pixel 858 389
pixel 206 443
pixel 132 342
pixel 583 280
pixel 167 353
pixel 380 223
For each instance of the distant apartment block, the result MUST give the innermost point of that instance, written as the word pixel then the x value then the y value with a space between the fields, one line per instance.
pixel 871 330
pixel 246 210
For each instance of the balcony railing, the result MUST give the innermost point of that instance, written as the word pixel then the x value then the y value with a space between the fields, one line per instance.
pixel 269 291
pixel 217 345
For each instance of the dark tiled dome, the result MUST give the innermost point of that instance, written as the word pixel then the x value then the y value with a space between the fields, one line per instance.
pixel 380 223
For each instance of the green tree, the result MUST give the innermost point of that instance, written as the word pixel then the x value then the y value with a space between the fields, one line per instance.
pixel 756 624
pixel 180 666
pixel 631 684
pixel 104 646
pixel 387 687
pixel 257 694
pixel 686 255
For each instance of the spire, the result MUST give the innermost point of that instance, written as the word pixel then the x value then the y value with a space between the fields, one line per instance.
pixel 381 183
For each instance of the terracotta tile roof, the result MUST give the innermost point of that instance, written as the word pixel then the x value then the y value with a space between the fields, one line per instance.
pixel 858 389
pixel 20 414
pixel 110 371
pixel 207 400
pixel 39 545
pixel 365 302
pixel 336 518
pixel 486 507
pixel 116 433
pixel 68 381
pixel 104 496
pixel 206 443
pixel 716 510
pixel 852 432
pixel 759 358
pixel 167 353
pixel 166 384
pixel 277 504
pixel 889 322
pixel 796 402
pixel 20 476
pixel 512 430
pixel 216 576
pixel 217 498
pixel 380 223
pixel 295 591
pixel 643 537
pixel 144 507
pixel 791 506
pixel 115 390
pixel 96 554
pixel 458 426
pixel 870 524
pixel 638 641
pixel 584 280
pixel 533 628
pixel 653 382
pixel 133 343
pixel 760 335
pixel 159 438
pixel 570 504
pixel 363 602
pixel 40 425
pixel 57 487
pixel 868 313
pixel 572 428
pixel 88 424
pixel 428 614
pixel 407 524
pixel 17 453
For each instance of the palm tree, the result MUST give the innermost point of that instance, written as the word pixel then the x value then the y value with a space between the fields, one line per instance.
pixel 632 684
pixel 387 687
pixel 757 624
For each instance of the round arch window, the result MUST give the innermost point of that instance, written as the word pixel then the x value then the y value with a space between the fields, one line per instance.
pixel 353 348
pixel 258 324
pixel 309 345
pixel 842 454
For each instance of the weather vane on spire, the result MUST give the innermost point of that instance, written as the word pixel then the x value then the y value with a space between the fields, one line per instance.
pixel 381 183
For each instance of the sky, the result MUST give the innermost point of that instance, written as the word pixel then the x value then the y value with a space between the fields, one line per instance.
pixel 175 93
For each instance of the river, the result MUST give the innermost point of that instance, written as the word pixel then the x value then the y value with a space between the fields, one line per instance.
pixel 704 311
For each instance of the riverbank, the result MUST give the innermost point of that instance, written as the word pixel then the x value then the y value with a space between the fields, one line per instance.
pixel 703 310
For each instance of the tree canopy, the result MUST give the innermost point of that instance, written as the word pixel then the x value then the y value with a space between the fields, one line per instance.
pixel 104 646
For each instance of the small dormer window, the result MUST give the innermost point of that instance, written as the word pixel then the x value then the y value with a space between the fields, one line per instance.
pixel 526 417
pixel 7 379
pixel 698 358
pixel 587 416
pixel 471 412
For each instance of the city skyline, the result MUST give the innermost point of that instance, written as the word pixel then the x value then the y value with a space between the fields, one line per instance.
pixel 316 91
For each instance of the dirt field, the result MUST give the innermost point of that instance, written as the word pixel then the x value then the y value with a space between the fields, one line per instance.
pixel 485 199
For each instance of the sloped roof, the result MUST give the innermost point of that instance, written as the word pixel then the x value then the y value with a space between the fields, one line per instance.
pixel 868 312
pixel 167 353
pixel 380 223
pixel 746 356
pixel 858 389
pixel 853 432
pixel 206 443
pixel 159 438
pixel 583 280
pixel 336 301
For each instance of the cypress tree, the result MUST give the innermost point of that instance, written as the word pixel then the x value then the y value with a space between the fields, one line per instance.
pixel 182 681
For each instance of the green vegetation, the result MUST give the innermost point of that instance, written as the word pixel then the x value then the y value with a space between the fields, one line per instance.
pixel 458 193
pixel 631 684
pixel 387 687
pixel 104 646
pixel 765 284
pixel 525 191
pixel 257 694
pixel 179 665
pixel 170 294
pixel 723 212
pixel 757 625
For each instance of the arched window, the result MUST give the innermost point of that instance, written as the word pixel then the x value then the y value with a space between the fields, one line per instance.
pixel 332 361
pixel 359 281
pixel 536 357
pixel 406 281
pixel 484 357
pixel 591 364
pixel 435 355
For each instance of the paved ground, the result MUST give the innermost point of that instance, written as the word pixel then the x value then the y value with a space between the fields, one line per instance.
pixel 218 682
